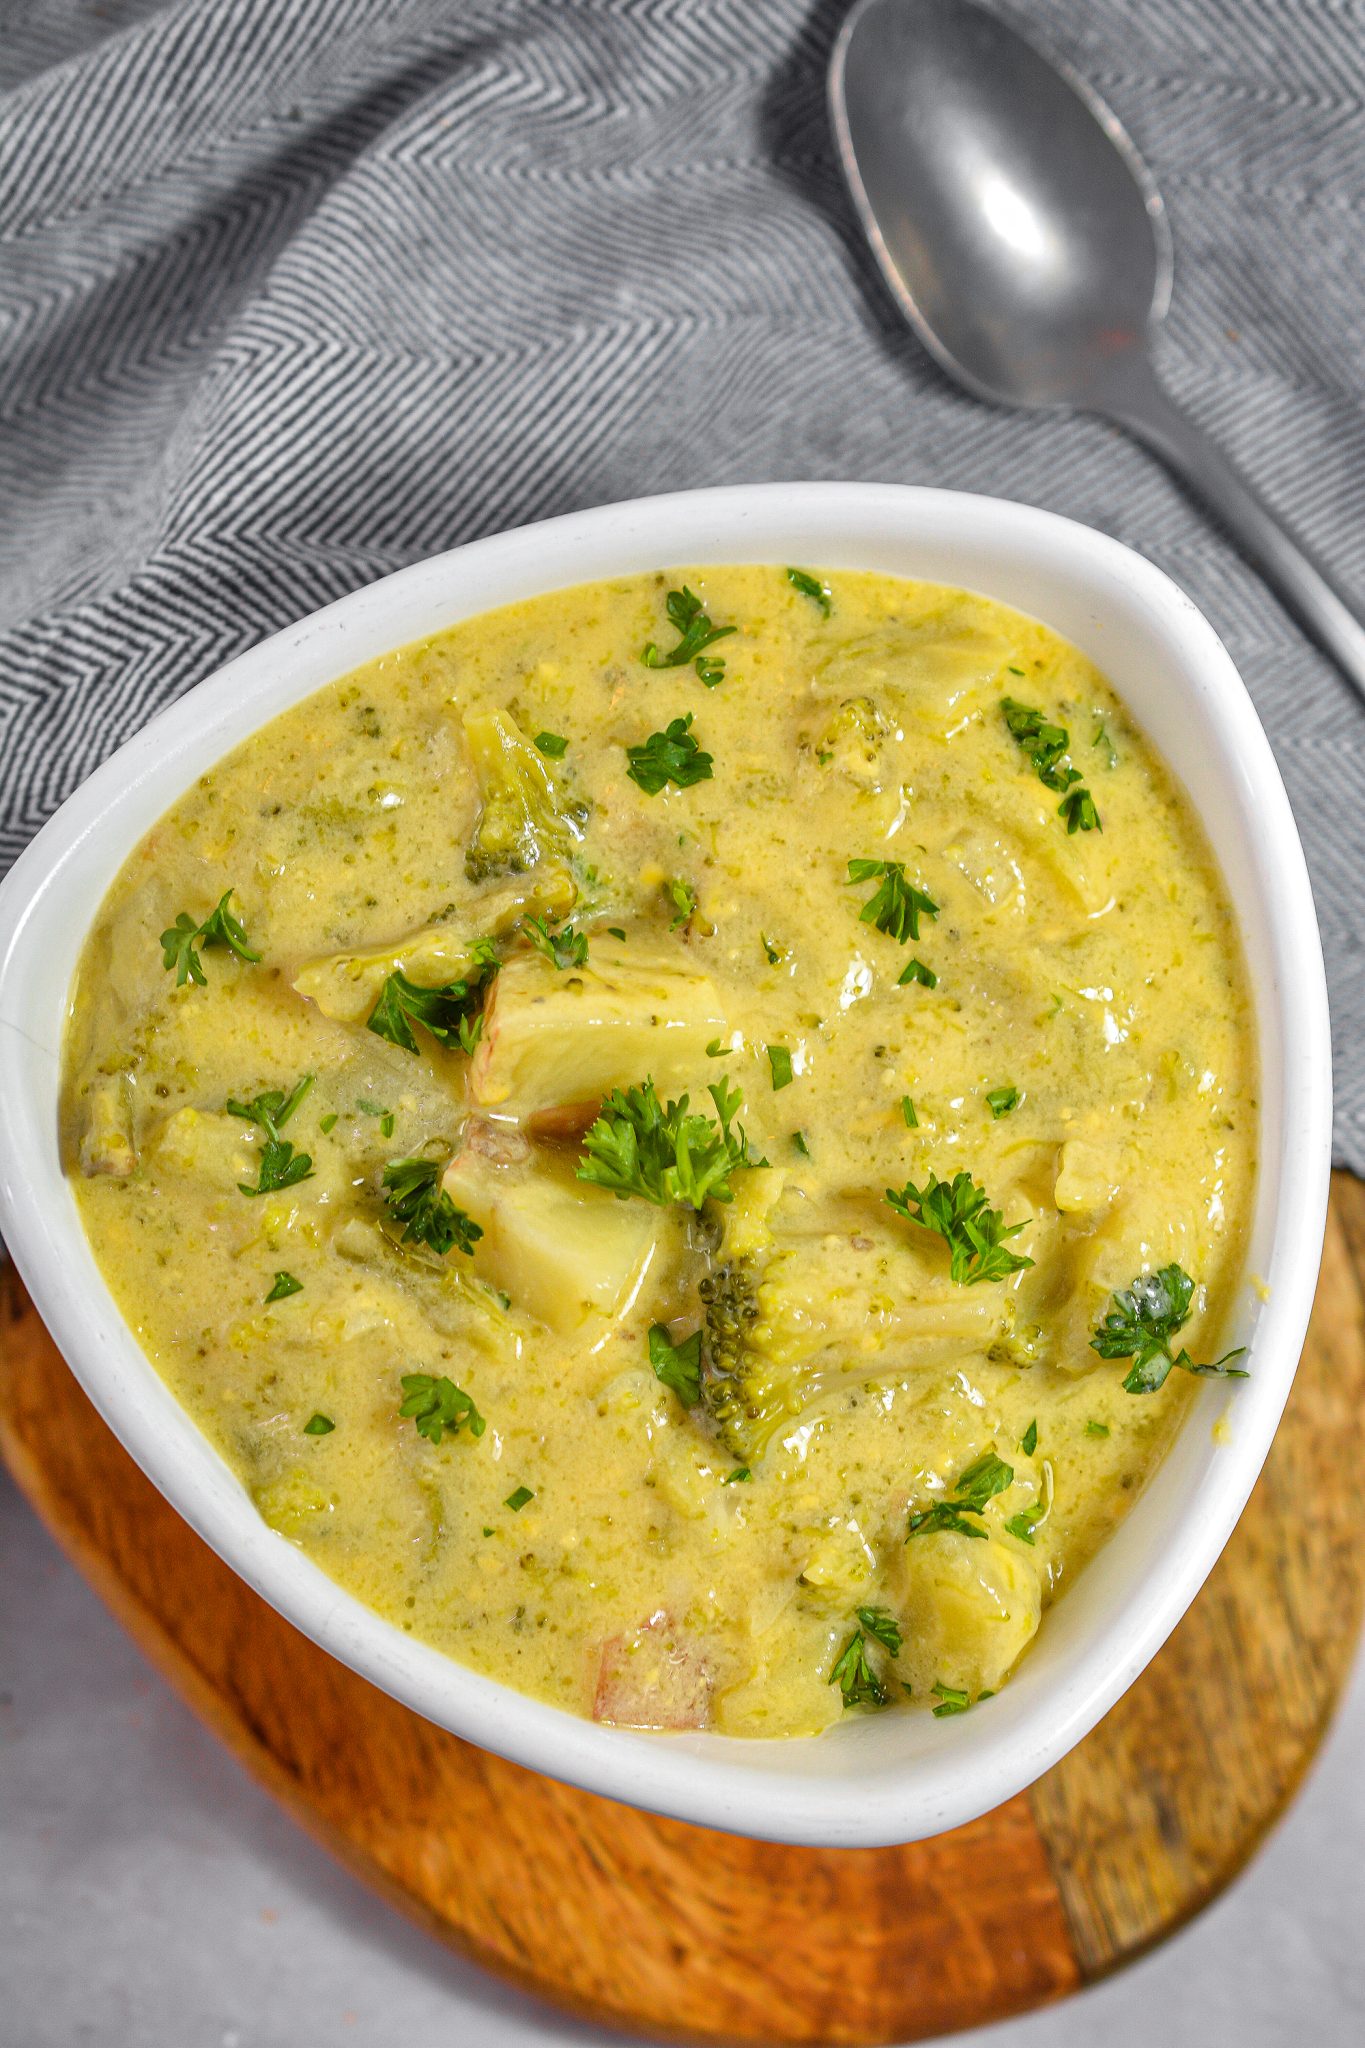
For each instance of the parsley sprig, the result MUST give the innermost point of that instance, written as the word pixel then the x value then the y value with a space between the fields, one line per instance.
pixel 181 941
pixel 661 1153
pixel 958 1212
pixel 435 1404
pixel 565 947
pixel 416 1199
pixel 696 633
pixel 677 1365
pixel 1045 746
pixel 1142 1322
pixel 897 906
pixel 452 1013
pixel 852 1672
pixel 279 1165
pixel 982 1480
pixel 952 1699
pixel 669 756
pixel 1026 1521
pixel 811 587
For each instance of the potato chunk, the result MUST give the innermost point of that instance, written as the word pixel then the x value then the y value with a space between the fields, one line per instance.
pixel 971 1608
pixel 107 1142
pixel 346 986
pixel 206 1144
pixel 555 1036
pixel 562 1250
pixel 1091 1176
pixel 655 1678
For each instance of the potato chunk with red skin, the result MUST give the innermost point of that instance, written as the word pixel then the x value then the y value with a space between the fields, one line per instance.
pixel 655 1678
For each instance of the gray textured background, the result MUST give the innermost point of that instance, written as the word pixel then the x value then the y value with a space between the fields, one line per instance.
pixel 295 291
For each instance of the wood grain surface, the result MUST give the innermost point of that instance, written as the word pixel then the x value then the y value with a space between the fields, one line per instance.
pixel 679 1931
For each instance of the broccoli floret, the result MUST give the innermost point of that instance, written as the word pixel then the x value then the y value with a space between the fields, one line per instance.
pixel 792 1321
pixel 760 1354
pixel 526 818
pixel 853 740
pixel 736 1389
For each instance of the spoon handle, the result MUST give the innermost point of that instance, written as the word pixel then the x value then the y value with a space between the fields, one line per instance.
pixel 1307 590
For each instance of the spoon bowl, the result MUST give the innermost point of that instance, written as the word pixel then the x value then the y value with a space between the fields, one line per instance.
pixel 1026 242
pixel 1026 270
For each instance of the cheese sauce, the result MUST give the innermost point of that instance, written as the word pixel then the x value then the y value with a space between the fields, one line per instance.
pixel 749 1463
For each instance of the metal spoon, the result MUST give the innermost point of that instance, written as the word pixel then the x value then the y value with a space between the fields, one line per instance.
pixel 1027 244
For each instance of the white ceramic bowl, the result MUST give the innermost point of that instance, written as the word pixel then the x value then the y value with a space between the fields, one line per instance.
pixel 874 1779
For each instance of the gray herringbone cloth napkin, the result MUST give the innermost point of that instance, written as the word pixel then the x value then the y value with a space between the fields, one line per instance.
pixel 296 291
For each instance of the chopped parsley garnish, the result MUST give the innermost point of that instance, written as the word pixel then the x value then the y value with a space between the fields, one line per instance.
pixel 810 586
pixel 272 1108
pixel 436 1405
pixel 975 1234
pixel 551 743
pixel 614 931
pixel 883 1625
pixel 1106 745
pixel 908 1112
pixel 452 1013
pixel 519 1498
pixel 285 1284
pixel 897 906
pixel 715 1050
pixel 1077 809
pixel 1097 1429
pixel 854 1676
pixel 566 947
pixel 917 971
pixel 1142 1322
pixel 696 633
pixel 951 1699
pixel 279 1165
pixel 1028 1442
pixel 735 1478
pixel 669 756
pixel 775 954
pixel 1002 1101
pixel 329 1122
pixel 377 1109
pixel 657 1151
pixel 780 1061
pixel 801 1143
pixel 181 941
pixel 982 1480
pixel 319 1425
pixel 1045 747
pixel 677 1365
pixel 416 1199
pixel 1026 1521
pixel 683 898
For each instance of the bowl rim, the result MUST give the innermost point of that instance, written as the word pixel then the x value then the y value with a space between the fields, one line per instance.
pixel 958 1769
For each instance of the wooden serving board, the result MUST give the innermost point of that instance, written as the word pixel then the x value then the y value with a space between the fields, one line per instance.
pixel 678 1931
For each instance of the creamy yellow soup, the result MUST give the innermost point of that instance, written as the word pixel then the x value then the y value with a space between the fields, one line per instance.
pixel 800 1398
